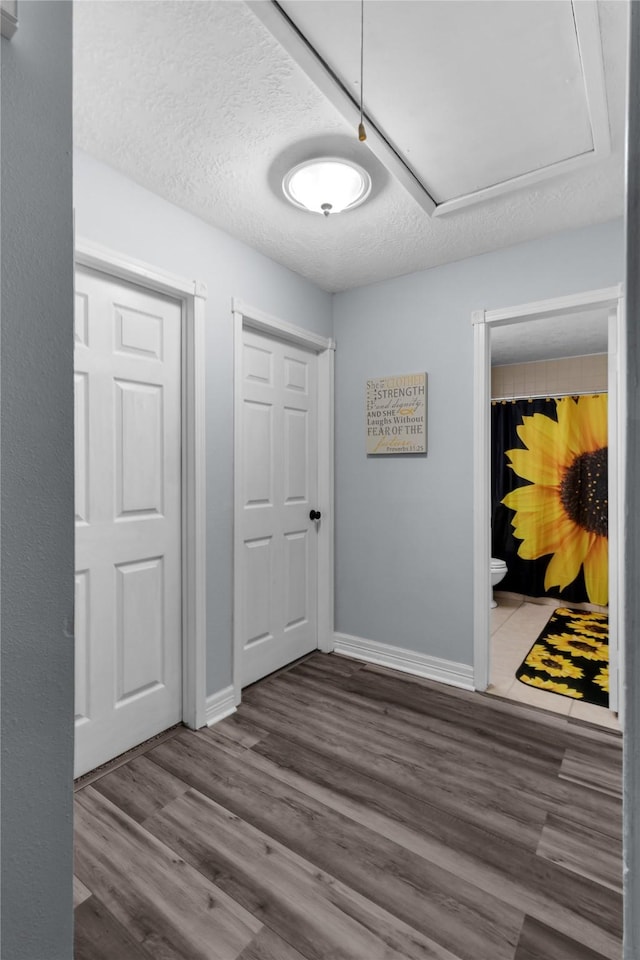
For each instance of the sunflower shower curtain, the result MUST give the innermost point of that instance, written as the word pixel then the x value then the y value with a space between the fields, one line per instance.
pixel 549 496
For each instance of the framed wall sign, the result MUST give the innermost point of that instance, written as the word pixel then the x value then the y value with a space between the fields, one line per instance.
pixel 397 414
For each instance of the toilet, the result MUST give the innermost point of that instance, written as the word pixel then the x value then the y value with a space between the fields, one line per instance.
pixel 498 571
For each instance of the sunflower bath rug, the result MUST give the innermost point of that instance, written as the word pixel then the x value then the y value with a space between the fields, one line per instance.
pixel 571 657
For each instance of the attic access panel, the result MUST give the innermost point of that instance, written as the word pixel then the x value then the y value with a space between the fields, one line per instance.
pixel 476 99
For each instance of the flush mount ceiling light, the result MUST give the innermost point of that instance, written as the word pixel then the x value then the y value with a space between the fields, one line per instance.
pixel 327 185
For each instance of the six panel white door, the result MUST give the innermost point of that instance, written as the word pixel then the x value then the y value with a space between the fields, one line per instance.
pixel 128 516
pixel 277 541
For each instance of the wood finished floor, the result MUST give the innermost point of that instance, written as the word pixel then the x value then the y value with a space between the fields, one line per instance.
pixel 348 812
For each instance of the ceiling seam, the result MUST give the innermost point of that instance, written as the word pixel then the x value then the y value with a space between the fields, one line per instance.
pixel 584 79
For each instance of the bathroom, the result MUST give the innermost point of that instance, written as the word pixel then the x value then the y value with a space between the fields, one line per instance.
pixel 549 390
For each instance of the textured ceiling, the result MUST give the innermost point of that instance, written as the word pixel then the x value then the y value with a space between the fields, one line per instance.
pixel 576 334
pixel 199 103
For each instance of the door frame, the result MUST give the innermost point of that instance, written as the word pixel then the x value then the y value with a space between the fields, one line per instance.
pixel 483 321
pixel 246 317
pixel 192 295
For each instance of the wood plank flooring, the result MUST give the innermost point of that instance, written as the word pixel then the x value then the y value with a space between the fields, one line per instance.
pixel 348 812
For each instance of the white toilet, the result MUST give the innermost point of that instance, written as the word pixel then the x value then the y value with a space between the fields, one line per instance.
pixel 498 571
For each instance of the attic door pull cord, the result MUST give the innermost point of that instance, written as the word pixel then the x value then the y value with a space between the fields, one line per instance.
pixel 362 133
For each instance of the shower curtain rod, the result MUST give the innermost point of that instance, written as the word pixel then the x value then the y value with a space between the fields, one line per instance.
pixel 551 396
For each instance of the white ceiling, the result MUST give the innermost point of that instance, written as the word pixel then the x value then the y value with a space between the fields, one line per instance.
pixel 198 102
pixel 577 334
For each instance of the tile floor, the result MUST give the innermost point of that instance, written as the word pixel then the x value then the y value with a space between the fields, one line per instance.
pixel 515 625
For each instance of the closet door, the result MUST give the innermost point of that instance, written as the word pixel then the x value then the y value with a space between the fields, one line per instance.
pixel 128 516
pixel 276 540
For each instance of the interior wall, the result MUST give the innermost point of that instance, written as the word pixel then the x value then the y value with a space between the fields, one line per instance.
pixel 36 485
pixel 404 571
pixel 541 378
pixel 631 765
pixel 115 212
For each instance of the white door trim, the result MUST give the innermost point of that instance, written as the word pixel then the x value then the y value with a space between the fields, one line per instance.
pixel 192 295
pixel 246 317
pixel 617 457
pixel 483 321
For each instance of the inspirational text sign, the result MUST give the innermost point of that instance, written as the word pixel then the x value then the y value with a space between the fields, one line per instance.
pixel 397 414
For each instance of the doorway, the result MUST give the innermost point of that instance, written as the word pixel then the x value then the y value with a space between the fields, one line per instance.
pixel 140 622
pixel 608 301
pixel 283 493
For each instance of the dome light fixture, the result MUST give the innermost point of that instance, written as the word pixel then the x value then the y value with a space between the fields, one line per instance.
pixel 327 185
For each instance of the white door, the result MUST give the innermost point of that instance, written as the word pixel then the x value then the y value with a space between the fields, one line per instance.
pixel 276 542
pixel 128 516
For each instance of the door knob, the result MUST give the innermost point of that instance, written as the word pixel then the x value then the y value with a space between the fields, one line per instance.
pixel 315 515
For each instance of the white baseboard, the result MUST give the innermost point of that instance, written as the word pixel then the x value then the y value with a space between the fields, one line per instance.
pixel 409 661
pixel 220 705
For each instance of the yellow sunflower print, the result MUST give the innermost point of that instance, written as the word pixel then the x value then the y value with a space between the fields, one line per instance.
pixel 562 511
pixel 539 658
pixel 579 646
pixel 590 628
pixel 590 615
pixel 552 685
pixel 602 679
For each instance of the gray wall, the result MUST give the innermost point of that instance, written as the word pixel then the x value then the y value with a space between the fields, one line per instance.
pixel 404 524
pixel 632 544
pixel 36 486
pixel 117 213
